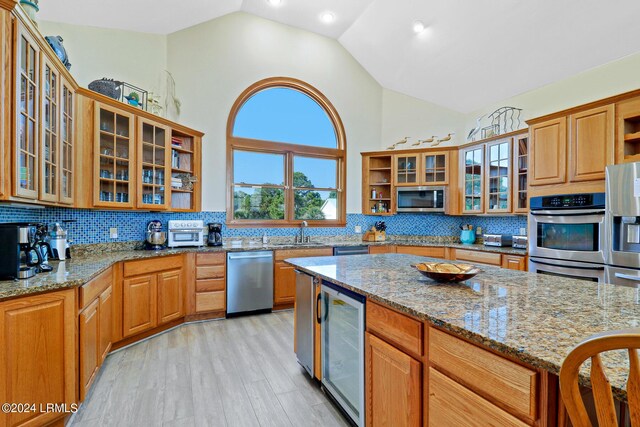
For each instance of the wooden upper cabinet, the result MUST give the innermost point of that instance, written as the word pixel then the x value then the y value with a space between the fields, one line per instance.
pixel 406 169
pixel 154 160
pixel 628 130
pixel 434 168
pixel 38 355
pixel 472 165
pixel 139 302
pixel 377 175
pixel 170 296
pixel 67 142
pixel 498 177
pixel 520 173
pixel 27 107
pixel 114 157
pixel 50 132
pixel 548 157
pixel 591 143
pixel 394 394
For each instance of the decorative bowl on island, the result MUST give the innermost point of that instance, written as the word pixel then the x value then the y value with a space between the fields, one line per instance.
pixel 447 272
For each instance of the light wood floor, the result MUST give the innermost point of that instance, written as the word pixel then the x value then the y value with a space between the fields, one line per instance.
pixel 233 372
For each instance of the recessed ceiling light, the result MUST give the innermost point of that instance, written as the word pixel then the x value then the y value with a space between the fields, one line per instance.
pixel 418 27
pixel 327 17
pixel 274 3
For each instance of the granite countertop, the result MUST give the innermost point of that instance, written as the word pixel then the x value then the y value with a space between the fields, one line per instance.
pixel 91 260
pixel 535 318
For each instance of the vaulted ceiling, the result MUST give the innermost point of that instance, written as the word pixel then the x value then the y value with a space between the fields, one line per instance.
pixel 472 52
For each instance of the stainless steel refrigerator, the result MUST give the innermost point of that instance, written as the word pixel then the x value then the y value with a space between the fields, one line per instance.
pixel 622 224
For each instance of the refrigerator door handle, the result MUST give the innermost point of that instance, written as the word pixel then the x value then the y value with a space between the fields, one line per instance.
pixel 318 313
pixel 628 276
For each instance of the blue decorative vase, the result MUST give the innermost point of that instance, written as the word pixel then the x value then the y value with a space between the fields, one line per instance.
pixel 468 237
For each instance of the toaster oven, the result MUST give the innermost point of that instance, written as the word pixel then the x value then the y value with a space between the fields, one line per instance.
pixel 185 233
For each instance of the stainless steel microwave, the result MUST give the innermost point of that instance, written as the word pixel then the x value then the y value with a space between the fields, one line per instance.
pixel 421 199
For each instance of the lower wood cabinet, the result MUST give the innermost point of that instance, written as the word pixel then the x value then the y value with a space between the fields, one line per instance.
pixel 139 312
pixel 514 262
pixel 394 385
pixel 453 405
pixel 284 284
pixel 210 284
pixel 384 249
pixel 284 276
pixel 95 327
pixel 428 251
pixel 170 296
pixel 38 355
pixel 153 298
pixel 477 257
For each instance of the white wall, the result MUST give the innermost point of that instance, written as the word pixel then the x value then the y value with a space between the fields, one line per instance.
pixel 215 61
pixel 135 58
pixel 404 115
pixel 600 82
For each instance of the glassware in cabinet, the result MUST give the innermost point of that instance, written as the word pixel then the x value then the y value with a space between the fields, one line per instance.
pixel 521 158
pixel 67 142
pixel 498 182
pixel 153 155
pixel 473 167
pixel 435 168
pixel 406 172
pixel 27 117
pixel 113 163
pixel 50 142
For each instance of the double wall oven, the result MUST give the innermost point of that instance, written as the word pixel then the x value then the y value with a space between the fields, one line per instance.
pixel 567 236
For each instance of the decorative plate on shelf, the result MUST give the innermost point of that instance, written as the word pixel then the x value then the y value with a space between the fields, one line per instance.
pixel 447 272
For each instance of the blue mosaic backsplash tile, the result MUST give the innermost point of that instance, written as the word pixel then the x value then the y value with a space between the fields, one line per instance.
pixel 92 226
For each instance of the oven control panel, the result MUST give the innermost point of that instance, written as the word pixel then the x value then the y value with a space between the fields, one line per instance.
pixel 569 201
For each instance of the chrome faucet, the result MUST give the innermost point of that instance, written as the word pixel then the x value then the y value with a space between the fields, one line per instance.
pixel 301 238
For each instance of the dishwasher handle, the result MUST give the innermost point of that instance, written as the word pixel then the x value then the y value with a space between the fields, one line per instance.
pixel 231 256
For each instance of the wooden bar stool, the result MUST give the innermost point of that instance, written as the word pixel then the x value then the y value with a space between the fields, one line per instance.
pixel 629 340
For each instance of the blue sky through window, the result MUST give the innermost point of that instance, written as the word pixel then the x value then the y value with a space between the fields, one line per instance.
pixel 284 115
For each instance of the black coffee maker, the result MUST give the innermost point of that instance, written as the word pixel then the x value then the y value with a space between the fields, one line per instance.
pixel 215 234
pixel 20 256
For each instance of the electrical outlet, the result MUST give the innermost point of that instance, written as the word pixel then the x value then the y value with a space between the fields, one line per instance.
pixel 523 231
pixel 113 232
pixel 358 229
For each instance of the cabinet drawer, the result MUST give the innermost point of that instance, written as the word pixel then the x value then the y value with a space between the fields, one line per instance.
pixel 91 290
pixel 153 265
pixel 211 259
pixel 395 327
pixel 430 251
pixel 210 301
pixel 301 253
pixel 209 285
pixel 386 249
pixel 490 375
pixel 514 262
pixel 453 405
pixel 210 272
pixel 489 258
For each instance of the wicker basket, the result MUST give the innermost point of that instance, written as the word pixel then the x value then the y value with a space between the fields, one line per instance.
pixel 107 87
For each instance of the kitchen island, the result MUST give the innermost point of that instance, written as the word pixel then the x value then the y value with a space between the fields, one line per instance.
pixel 494 335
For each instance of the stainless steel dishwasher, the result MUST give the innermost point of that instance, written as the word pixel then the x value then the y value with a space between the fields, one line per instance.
pixel 249 281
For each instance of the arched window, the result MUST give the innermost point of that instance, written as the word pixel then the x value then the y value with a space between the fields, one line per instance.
pixel 286 157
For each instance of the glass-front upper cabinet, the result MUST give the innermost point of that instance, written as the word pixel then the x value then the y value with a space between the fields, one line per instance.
pixel 407 168
pixel 521 167
pixel 114 166
pixel 50 142
pixel 154 154
pixel 27 118
pixel 67 141
pixel 435 167
pixel 473 165
pixel 498 190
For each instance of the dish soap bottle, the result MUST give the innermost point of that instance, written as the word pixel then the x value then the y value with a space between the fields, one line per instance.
pixel 265 240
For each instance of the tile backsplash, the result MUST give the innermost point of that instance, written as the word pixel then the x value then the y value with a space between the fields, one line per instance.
pixel 92 226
